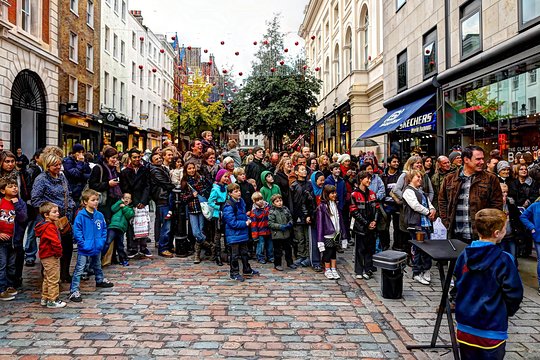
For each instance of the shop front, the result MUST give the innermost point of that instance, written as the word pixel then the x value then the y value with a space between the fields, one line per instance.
pixel 115 132
pixel 137 138
pixel 153 139
pixel 333 133
pixel 84 130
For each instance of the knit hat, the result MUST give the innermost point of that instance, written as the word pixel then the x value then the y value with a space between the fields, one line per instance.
pixel 453 155
pixel 78 147
pixel 501 165
pixel 220 174
pixel 343 158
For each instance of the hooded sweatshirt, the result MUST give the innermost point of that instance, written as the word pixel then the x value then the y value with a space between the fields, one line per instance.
pixel 49 240
pixel 489 290
pixel 267 191
pixel 89 232
pixel 317 190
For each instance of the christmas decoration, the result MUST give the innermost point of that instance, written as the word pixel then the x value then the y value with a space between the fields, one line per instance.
pixel 296 43
pixel 222 94
pixel 225 71
pixel 222 42
pixel 141 67
pixel 210 62
pixel 214 84
pixel 205 51
pixel 265 42
pixel 141 38
pixel 272 69
pixel 282 62
pixel 240 73
pixel 369 58
pixel 304 67
pixel 226 83
pixel 312 37
pixel 154 70
pixel 237 53
pixel 173 38
pixel 317 68
pixel 254 43
pixel 286 50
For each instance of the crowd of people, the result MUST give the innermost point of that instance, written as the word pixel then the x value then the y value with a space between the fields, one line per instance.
pixel 259 205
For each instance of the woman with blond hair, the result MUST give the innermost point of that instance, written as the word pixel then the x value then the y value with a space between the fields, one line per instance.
pixel 324 165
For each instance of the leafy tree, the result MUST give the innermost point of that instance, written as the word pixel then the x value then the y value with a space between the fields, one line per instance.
pixel 489 106
pixel 198 113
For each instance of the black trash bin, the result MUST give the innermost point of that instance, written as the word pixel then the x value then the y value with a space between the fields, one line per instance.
pixel 392 264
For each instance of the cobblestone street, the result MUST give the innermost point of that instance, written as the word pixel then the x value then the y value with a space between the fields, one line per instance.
pixel 172 308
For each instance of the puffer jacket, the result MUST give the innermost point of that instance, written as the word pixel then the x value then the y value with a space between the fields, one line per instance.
pixel 217 198
pixel 364 209
pixel 234 217
pixel 160 184
pixel 77 174
pixel 278 217
pixel 121 216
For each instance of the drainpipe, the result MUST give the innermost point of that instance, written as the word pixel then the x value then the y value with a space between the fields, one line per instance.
pixel 447 49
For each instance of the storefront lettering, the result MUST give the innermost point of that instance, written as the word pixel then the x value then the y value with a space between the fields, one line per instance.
pixel 392 119
pixel 522 149
pixel 83 123
pixel 122 126
pixel 416 121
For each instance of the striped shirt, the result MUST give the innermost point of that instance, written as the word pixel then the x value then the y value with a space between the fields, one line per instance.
pixel 463 217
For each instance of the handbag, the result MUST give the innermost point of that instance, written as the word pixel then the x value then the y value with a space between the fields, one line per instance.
pixel 102 195
pixel 207 210
pixel 63 223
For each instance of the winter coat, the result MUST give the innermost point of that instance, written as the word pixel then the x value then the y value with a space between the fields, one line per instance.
pixel 46 188
pixel 217 199
pixel 485 192
pixel 276 219
pixel 247 190
pixel 303 202
pixel 77 174
pixel 235 155
pixel 436 181
pixel 325 226
pixel 137 183
pixel 254 170
pixel 413 208
pixel 234 217
pixel 89 233
pixel 121 216
pixel 160 185
pixel 364 209
pixel 489 290
pixel 341 190
pixel 266 191
pixel 377 186
pixel 282 180
pixel 21 216
pixel 259 220
pixel 198 184
pixel 531 220
pixel 49 240
pixel 99 181
pixel 521 192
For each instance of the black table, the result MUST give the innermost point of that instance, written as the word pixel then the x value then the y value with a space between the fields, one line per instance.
pixel 442 251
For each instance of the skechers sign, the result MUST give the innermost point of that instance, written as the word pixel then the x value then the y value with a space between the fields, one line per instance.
pixel 420 123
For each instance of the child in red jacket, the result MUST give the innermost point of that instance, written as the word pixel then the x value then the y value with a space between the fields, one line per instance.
pixel 50 251
pixel 260 230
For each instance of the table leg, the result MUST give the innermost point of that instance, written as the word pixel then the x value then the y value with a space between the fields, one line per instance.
pixel 455 346
pixel 442 304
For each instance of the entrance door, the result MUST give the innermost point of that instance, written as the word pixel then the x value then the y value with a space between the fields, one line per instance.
pixel 28 131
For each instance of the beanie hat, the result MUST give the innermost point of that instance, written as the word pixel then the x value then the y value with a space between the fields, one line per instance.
pixel 78 147
pixel 343 158
pixel 220 174
pixel 502 165
pixel 453 155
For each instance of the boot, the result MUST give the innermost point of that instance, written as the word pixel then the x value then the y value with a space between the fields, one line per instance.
pixel 197 257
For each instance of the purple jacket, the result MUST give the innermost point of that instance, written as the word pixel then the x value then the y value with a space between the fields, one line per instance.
pixel 325 226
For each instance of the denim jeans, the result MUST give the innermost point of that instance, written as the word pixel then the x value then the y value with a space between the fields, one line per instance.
pixel 116 236
pixel 421 261
pixel 509 245
pixel 31 248
pixel 197 227
pixel 165 228
pixel 537 248
pixel 7 266
pixel 94 262
pixel 265 243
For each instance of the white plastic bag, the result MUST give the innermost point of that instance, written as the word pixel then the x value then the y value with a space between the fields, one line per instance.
pixel 207 210
pixel 439 231
pixel 141 223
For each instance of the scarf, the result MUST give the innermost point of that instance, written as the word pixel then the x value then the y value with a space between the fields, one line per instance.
pixel 316 189
pixel 115 192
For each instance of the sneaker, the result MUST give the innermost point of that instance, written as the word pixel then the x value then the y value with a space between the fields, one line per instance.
pixel 252 273
pixel 359 276
pixel 328 274
pixel 262 261
pixel 293 266
pixel 105 284
pixel 366 276
pixel 85 276
pixel 43 302
pixel 124 263
pixel 317 268
pixel 30 262
pixel 305 262
pixel 335 274
pixel 237 277
pixel 4 296
pixel 146 253
pixel 167 254
pixel 278 268
pixel 427 276
pixel 56 304
pixel 75 296
pixel 418 278
pixel 132 254
pixel 169 215
pixel 12 291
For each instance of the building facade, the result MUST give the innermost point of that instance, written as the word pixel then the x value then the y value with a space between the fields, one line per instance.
pixel 29 64
pixel 344 48
pixel 79 42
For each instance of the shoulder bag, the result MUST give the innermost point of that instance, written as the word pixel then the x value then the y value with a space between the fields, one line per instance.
pixel 63 223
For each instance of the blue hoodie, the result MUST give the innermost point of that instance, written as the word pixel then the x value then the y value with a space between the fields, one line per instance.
pixel 489 290
pixel 340 188
pixel 90 232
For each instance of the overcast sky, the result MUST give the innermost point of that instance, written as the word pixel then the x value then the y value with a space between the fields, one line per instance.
pixel 205 24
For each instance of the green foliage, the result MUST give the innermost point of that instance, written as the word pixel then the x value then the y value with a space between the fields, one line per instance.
pixel 489 107
pixel 197 114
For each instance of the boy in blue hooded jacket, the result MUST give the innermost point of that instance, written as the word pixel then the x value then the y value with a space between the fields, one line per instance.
pixel 489 290
pixel 90 234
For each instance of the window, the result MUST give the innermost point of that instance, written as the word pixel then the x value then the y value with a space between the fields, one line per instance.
pixel 337 72
pixel 133 72
pixel 73 44
pixel 30 17
pixel 402 71
pixel 336 15
pixel 400 3
pixel 89 98
pixel 114 83
pixel 149 108
pixel 515 82
pixel 256 142
pixel 72 89
pixel 158 85
pixel 122 95
pixel 532 76
pixel 430 53
pixel 74 6
pixel 250 142
pixel 106 88
pixel 155 83
pixel 245 142
pixel 134 40
pixel 470 29
pixel 116 6
pixel 141 77
pixel 532 105
pixel 108 2
pixel 529 13
pixel 149 80
pixel 115 46
pixel 326 30
pixel 122 52
pixel 133 101
pixel 124 10
pixel 515 108
pixel 366 39
pixel 142 47
pixel 141 109
pixel 107 38
pixel 90 13
pixel 89 57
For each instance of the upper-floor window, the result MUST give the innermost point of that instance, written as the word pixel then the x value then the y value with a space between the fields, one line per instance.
pixel 116 6
pixel 142 47
pixel 402 71
pixel 141 78
pixel 532 105
pixel 327 30
pixel 336 14
pixel 134 40
pixel 73 45
pixel 529 13
pixel 429 57
pixel 108 2
pixel 90 13
pixel 89 57
pixel 89 98
pixel 122 52
pixel 115 46
pixel 74 6
pixel 29 17
pixel 73 84
pixel 107 38
pixel 122 95
pixel 124 10
pixel 470 28
pixel 365 40
pixel 532 76
pixel 133 72
pixel 114 85
pixel 400 3
pixel 106 88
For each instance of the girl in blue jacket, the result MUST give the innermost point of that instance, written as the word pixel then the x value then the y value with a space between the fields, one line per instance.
pixel 216 200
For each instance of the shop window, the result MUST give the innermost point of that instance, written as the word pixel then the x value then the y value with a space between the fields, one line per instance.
pixel 532 105
pixel 529 13
pixel 402 71
pixel 532 77
pixel 399 4
pixel 470 29
pixel 430 53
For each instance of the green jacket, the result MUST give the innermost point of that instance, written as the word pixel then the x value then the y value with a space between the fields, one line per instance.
pixel 121 216
pixel 265 190
pixel 277 218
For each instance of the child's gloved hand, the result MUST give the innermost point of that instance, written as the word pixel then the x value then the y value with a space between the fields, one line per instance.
pixel 283 227
pixel 321 247
pixel 344 244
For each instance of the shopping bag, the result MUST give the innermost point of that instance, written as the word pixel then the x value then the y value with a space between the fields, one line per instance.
pixel 207 210
pixel 141 223
pixel 107 258
pixel 439 231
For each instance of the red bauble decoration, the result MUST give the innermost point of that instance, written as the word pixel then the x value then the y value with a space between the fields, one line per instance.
pixel 210 62
pixel 317 68
pixel 205 51
pixel 222 94
pixel 265 42
pixel 304 67
pixel 226 83
pixel 272 69
pixel 179 67
pixel 229 101
pixel 237 53
pixel 312 37
pixel 141 67
pixel 369 58
pixel 432 63
pixel 222 42
pixel 214 84
pixel 189 47
pixel 282 62
pixel 225 71
pixel 162 51
pixel 234 90
pixel 173 38
pixel 141 38
pixel 207 100
pixel 154 70
pixel 254 43
pixel 428 51
pixel 286 50
pixel 296 43
pixel 240 73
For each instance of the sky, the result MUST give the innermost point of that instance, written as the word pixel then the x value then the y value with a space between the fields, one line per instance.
pixel 239 23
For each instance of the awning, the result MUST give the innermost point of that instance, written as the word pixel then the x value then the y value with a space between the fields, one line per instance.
pixel 394 118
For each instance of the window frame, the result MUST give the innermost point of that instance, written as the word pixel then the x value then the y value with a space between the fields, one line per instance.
pixel 114 85
pixel 115 47
pixel 90 9
pixel 73 84
pixel 398 63
pixel 73 49
pixel 530 100
pixel 122 52
pixel 106 37
pixel 33 23
pixel 90 59
pixel 76 9
pixel 133 72
pixel 105 87
pixel 430 37
pixel 524 26
pixel 400 4
pixel 465 14
pixel 89 100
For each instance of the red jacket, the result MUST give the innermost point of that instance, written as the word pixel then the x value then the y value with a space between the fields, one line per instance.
pixel 49 240
pixel 259 221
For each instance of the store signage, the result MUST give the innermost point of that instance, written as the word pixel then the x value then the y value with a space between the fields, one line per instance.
pixel 521 149
pixel 83 123
pixel 143 117
pixel 72 107
pixel 425 122
pixel 122 126
pixel 111 117
pixel 392 119
pixel 469 109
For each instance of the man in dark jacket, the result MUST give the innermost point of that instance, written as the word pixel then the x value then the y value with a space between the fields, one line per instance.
pixel 77 171
pixel 302 212
pixel 134 179
pixel 255 168
pixel 161 187
pixel 30 247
